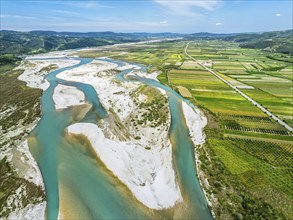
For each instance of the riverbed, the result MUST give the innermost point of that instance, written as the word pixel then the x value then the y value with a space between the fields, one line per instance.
pixel 77 181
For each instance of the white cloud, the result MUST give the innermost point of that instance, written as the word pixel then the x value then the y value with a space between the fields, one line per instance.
pixel 163 22
pixel 185 7
pixel 218 24
pixel 66 12
pixel 86 4
pixel 93 4
pixel 102 24
pixel 278 15
pixel 113 24
pixel 16 16
pixel 90 4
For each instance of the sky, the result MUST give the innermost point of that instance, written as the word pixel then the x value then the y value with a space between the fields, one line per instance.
pixel 180 16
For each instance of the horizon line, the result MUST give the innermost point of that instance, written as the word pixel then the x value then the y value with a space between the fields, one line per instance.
pixel 121 32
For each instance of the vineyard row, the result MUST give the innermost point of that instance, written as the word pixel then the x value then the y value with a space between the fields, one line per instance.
pixel 259 130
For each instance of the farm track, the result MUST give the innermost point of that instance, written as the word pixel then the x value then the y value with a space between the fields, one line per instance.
pixel 289 128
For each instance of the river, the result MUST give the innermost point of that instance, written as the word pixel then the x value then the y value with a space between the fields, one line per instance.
pixel 90 190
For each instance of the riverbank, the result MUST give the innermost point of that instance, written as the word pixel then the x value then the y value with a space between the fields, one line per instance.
pixel 196 122
pixel 21 180
pixel 25 201
pixel 35 70
pixel 30 212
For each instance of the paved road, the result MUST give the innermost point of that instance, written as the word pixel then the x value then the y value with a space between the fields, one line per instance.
pixel 241 93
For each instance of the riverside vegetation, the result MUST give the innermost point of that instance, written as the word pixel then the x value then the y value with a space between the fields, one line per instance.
pixel 19 108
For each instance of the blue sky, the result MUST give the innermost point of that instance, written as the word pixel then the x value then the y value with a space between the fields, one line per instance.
pixel 182 16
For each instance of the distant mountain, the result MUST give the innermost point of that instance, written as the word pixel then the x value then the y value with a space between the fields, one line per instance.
pixel 107 34
pixel 14 42
pixel 277 41
pixel 243 37
pixel 207 36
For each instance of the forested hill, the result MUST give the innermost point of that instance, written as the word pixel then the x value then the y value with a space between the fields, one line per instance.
pixel 14 42
pixel 277 41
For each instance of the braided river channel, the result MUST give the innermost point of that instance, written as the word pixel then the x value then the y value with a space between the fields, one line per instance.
pixel 74 175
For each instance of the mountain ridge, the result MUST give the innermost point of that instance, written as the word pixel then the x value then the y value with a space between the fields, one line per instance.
pixel 38 41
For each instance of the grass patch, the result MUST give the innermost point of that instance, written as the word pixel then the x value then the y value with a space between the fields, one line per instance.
pixel 24 100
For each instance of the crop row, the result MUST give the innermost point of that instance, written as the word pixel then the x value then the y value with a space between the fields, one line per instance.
pixel 269 160
pixel 279 155
pixel 259 130
pixel 246 117
pixel 278 177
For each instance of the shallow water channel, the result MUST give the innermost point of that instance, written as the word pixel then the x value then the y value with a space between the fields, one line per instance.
pixel 89 190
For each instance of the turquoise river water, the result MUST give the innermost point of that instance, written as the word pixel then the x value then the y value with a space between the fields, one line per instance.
pixel 92 190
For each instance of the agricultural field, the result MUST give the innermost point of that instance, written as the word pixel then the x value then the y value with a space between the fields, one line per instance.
pixel 190 65
pixel 158 55
pixel 246 150
pixel 287 72
pixel 253 147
